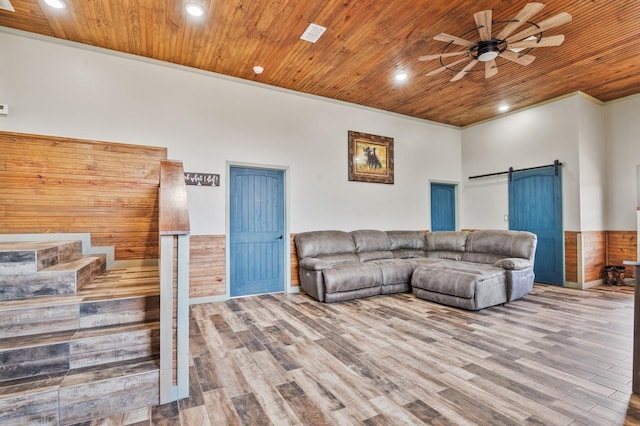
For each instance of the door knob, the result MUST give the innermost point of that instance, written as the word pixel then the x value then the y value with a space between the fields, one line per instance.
pixel 279 238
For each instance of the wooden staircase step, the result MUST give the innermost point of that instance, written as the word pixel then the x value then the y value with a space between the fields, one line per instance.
pixel 34 256
pixel 30 402
pixel 59 314
pixel 69 358
pixel 32 356
pixel 80 395
pixel 61 278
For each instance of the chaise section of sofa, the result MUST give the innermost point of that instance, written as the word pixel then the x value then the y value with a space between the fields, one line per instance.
pixel 493 267
pixel 470 270
pixel 513 251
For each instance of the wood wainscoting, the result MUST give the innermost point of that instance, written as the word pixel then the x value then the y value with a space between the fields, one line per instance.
pixel 594 252
pixel 207 267
pixel 592 249
pixel 621 246
pixel 571 256
pixel 587 252
pixel 63 185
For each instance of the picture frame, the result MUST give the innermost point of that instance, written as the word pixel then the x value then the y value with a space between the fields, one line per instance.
pixel 370 158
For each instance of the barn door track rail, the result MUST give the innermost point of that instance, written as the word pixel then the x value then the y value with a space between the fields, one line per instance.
pixel 511 170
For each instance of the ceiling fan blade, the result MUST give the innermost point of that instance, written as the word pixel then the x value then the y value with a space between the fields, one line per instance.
pixel 550 41
pixel 554 21
pixel 518 59
pixel 448 66
pixel 490 68
pixel 465 70
pixel 442 55
pixel 453 39
pixel 483 22
pixel 523 16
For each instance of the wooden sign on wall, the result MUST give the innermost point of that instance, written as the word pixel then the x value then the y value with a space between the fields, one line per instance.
pixel 201 179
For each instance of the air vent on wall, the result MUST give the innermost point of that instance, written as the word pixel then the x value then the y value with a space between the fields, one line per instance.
pixel 6 5
pixel 313 33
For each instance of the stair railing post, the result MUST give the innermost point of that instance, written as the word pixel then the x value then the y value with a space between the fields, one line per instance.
pixel 174 283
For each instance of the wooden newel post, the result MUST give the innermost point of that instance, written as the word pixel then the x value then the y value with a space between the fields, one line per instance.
pixel 635 379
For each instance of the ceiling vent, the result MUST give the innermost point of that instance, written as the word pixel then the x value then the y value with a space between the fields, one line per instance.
pixel 6 5
pixel 311 34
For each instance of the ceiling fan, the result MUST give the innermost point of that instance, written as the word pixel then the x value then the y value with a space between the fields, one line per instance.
pixel 506 44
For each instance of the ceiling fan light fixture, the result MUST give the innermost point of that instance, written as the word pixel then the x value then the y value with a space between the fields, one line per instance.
pixel 488 50
pixel 56 4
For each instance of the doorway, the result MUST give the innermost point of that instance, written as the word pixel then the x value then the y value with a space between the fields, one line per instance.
pixel 256 231
pixel 443 207
pixel 535 205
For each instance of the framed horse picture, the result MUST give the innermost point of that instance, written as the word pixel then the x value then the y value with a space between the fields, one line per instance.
pixel 370 158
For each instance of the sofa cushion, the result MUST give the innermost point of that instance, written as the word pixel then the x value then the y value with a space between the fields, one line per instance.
pixel 456 278
pixel 367 256
pixel 445 254
pixel 352 276
pixel 370 240
pixel 406 240
pixel 395 271
pixel 503 243
pixel 406 244
pixel 315 243
pixel 487 258
pixel 446 241
pixel 371 244
pixel 338 258
pixel 408 253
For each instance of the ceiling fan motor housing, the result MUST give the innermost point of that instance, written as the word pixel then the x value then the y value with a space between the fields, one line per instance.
pixel 489 49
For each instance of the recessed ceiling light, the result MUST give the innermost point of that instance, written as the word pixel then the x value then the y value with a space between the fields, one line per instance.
pixel 258 69
pixel 57 4
pixel 194 9
pixel 401 75
pixel 503 108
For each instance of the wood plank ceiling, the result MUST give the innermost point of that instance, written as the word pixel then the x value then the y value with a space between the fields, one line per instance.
pixel 365 43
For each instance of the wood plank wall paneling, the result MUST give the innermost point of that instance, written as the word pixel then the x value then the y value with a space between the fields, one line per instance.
pixel 600 248
pixel 60 185
pixel 207 266
pixel 621 246
pixel 571 256
pixel 594 251
pixel 295 276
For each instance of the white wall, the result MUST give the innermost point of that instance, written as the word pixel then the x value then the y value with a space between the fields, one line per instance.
pixel 207 120
pixel 591 134
pixel 529 138
pixel 623 160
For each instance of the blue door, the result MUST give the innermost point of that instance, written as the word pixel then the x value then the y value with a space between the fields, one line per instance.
pixel 535 205
pixel 443 207
pixel 256 231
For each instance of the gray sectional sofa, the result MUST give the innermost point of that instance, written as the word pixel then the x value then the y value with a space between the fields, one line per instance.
pixel 470 270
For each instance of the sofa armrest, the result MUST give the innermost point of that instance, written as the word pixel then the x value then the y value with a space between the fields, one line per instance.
pixel 513 263
pixel 314 264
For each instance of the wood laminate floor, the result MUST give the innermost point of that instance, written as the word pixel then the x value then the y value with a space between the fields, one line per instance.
pixel 556 357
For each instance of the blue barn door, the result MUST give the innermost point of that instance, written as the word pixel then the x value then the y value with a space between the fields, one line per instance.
pixel 256 231
pixel 443 207
pixel 535 205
